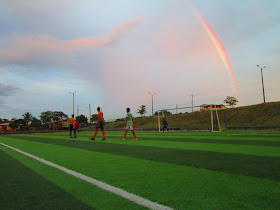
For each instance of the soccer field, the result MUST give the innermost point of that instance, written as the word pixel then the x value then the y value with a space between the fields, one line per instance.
pixel 179 170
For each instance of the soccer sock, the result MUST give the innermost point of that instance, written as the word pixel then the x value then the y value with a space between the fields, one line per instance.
pixel 103 134
pixel 95 134
pixel 125 132
pixel 133 133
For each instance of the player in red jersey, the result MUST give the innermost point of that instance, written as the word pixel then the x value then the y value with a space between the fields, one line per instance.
pixel 77 126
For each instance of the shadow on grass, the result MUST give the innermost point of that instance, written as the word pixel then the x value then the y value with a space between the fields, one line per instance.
pixel 22 188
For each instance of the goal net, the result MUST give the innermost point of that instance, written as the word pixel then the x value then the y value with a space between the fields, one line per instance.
pixel 204 118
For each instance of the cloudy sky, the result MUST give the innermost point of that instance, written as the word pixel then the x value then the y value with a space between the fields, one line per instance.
pixel 113 52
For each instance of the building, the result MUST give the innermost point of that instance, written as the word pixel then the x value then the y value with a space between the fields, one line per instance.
pixel 5 126
pixel 206 107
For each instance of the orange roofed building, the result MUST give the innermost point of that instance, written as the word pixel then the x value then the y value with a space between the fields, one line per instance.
pixel 5 125
pixel 206 107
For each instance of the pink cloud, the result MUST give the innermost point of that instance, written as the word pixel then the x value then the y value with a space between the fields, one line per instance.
pixel 29 49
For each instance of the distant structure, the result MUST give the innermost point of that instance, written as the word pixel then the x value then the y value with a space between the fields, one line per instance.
pixel 206 107
pixel 5 126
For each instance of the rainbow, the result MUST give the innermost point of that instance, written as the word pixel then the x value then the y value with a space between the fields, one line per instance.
pixel 218 45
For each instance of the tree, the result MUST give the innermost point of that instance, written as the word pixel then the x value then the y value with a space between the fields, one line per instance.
pixel 36 122
pixel 46 117
pixel 58 116
pixel 82 119
pixel 165 112
pixel 27 117
pixel 15 123
pixel 49 116
pixel 5 121
pixel 142 110
pixel 94 118
pixel 1 121
pixel 231 101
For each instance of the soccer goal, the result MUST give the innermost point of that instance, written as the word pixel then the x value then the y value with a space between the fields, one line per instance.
pixel 200 118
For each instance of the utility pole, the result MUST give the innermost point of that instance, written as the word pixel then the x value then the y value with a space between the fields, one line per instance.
pixel 262 81
pixel 176 108
pixel 152 94
pixel 192 102
pixel 89 111
pixel 73 102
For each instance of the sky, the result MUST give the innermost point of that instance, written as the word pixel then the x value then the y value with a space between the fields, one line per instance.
pixel 113 53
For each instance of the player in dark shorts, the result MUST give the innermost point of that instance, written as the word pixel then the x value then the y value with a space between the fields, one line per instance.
pixel 72 126
pixel 100 124
pixel 165 125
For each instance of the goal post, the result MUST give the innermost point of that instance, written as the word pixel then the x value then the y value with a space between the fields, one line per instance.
pixel 162 113
pixel 204 117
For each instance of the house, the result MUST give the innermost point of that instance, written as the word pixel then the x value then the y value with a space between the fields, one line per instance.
pixel 5 126
pixel 205 107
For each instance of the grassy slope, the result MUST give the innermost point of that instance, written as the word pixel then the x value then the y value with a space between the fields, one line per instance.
pixel 259 114
pixel 179 186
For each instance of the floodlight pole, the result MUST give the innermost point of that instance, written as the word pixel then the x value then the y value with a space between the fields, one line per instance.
pixel 192 103
pixel 89 111
pixel 73 102
pixel 262 81
pixel 152 94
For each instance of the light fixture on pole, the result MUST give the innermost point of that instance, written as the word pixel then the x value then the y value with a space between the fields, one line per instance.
pixel 261 68
pixel 73 102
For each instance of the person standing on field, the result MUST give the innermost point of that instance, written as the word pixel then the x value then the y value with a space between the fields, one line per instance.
pixel 165 125
pixel 77 126
pixel 129 124
pixel 100 124
pixel 72 126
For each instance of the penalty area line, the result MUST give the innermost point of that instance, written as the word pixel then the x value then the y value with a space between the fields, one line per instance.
pixel 134 198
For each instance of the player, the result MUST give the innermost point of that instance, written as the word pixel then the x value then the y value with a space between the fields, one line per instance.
pixel 77 126
pixel 165 125
pixel 99 125
pixel 72 126
pixel 129 124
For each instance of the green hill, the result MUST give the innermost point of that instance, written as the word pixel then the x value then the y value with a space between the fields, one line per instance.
pixel 259 115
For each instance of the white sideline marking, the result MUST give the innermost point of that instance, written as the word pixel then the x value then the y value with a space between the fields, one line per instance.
pixel 137 199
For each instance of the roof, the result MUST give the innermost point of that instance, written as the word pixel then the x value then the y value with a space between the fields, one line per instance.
pixel 4 123
pixel 212 105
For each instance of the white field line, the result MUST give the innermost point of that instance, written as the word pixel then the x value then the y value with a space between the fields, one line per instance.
pixel 137 199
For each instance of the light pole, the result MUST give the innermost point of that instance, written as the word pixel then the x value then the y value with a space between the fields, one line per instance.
pixel 192 101
pixel 152 94
pixel 262 81
pixel 73 102
pixel 89 109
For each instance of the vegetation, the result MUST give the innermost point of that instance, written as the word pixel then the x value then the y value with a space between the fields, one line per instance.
pixel 82 119
pixel 256 115
pixel 142 110
pixel 231 101
pixel 50 116
pixel 27 117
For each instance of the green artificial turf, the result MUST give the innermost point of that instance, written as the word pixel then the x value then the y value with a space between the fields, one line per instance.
pixel 187 176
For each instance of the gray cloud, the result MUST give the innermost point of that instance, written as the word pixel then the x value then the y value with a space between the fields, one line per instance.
pixel 6 90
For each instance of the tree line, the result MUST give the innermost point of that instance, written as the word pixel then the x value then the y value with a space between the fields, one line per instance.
pixel 45 120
